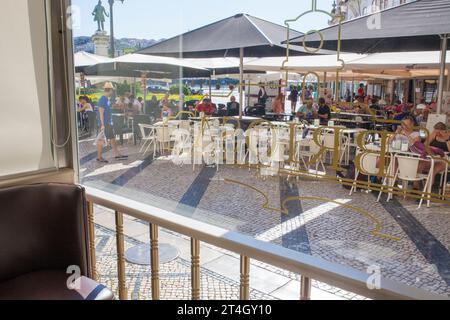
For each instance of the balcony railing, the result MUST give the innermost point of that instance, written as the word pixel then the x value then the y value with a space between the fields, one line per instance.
pixel 247 247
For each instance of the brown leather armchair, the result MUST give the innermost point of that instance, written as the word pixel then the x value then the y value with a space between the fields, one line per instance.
pixel 43 232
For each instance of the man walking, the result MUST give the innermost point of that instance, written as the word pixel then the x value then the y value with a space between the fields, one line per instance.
pixel 106 125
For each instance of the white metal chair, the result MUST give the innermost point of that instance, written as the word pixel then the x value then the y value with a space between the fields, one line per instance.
pixel 163 137
pixel 149 138
pixel 352 143
pixel 369 164
pixel 185 125
pixel 182 150
pixel 329 143
pixel 208 145
pixel 407 171
pixel 307 149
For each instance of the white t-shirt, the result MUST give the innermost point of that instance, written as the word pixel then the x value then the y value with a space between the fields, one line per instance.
pixel 88 107
pixel 126 101
pixel 137 106
pixel 421 106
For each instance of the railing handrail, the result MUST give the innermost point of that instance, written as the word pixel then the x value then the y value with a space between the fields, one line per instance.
pixel 306 265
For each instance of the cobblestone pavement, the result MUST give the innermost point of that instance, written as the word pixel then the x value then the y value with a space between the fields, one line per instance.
pixel 406 244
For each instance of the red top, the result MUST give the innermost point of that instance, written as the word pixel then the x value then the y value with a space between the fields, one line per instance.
pixel 361 92
pixel 207 108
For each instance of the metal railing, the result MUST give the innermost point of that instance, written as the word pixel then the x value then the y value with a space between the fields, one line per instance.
pixel 307 266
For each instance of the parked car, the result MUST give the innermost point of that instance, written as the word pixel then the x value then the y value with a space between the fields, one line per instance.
pixel 157 89
pixel 197 92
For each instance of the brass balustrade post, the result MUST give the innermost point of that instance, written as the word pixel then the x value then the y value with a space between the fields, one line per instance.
pixel 305 288
pixel 91 230
pixel 245 278
pixel 195 269
pixel 154 261
pixel 121 256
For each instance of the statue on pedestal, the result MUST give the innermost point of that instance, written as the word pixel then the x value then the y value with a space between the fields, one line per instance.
pixel 99 14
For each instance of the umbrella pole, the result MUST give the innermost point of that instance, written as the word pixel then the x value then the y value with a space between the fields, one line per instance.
pixel 241 81
pixel 248 92
pixel 442 73
pixel 448 79
pixel 210 88
pixel 145 92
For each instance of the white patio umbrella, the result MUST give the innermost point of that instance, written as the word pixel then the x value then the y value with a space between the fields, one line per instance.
pixel 301 63
pixel 83 59
pixel 399 60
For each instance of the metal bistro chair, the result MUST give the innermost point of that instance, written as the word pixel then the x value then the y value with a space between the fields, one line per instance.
pixel 369 162
pixel 137 120
pixel 148 135
pixel 120 128
pixel 280 143
pixel 307 149
pixel 182 150
pixel 328 142
pixel 163 137
pixel 210 147
pixel 407 171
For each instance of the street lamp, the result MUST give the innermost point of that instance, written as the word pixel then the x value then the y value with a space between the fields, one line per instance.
pixel 111 20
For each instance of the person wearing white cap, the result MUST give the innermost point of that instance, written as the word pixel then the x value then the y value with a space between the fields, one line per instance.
pixel 106 125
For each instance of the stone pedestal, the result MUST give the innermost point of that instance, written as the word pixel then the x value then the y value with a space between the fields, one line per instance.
pixel 101 43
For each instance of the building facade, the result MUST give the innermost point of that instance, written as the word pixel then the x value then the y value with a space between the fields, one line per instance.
pixel 357 8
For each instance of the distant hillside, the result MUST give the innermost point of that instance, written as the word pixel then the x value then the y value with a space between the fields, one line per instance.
pixel 126 45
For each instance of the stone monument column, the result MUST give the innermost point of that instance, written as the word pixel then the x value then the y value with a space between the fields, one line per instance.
pixel 101 43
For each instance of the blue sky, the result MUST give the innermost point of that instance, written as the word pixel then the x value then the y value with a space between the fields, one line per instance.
pixel 156 19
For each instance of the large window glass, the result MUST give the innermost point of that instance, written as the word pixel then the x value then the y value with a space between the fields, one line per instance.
pixel 161 120
pixel 24 87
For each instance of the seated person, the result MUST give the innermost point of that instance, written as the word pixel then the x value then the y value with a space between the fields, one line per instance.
pixel 433 106
pixel 233 107
pixel 84 105
pixel 405 132
pixel 373 105
pixel 166 112
pixel 421 105
pixel 206 107
pixel 278 104
pixel 357 109
pixel 440 137
pixel 123 101
pixel 135 107
pixel 324 112
pixel 307 111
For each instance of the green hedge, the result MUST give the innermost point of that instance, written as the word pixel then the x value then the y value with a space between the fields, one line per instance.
pixel 175 89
